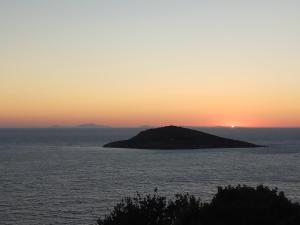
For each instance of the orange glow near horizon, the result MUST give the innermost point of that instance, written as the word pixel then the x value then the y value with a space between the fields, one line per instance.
pixel 139 120
pixel 176 102
pixel 154 104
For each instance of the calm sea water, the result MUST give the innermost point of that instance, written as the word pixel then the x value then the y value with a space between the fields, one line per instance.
pixel 64 176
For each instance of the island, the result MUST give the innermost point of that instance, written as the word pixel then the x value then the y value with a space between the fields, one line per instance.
pixel 173 137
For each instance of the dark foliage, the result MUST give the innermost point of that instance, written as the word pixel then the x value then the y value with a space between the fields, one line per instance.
pixel 240 205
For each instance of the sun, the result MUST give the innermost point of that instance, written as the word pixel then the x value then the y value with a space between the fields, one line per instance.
pixel 232 126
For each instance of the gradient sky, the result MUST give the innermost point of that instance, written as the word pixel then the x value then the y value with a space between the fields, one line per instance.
pixel 156 62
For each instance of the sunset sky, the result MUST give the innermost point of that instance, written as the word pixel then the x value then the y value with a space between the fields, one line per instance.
pixel 154 62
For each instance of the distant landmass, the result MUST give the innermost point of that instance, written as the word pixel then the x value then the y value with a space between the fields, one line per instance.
pixel 91 125
pixel 94 125
pixel 173 137
pixel 85 125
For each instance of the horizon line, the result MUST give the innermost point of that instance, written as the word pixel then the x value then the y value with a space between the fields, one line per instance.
pixel 96 126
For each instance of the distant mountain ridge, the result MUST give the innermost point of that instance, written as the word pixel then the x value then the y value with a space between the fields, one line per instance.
pixel 81 126
pixel 91 125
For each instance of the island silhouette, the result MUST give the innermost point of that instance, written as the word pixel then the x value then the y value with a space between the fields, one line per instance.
pixel 173 137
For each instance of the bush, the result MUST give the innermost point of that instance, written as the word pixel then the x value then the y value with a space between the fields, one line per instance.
pixel 240 205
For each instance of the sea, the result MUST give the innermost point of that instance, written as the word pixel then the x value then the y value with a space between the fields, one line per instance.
pixel 65 176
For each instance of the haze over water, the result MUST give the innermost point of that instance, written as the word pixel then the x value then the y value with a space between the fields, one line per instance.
pixel 64 176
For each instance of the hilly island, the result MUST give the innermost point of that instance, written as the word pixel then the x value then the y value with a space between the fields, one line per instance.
pixel 173 137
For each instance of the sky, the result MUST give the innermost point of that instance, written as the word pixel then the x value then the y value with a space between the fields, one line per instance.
pixel 154 62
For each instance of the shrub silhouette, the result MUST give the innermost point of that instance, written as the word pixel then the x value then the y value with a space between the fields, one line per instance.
pixel 239 205
pixel 152 209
